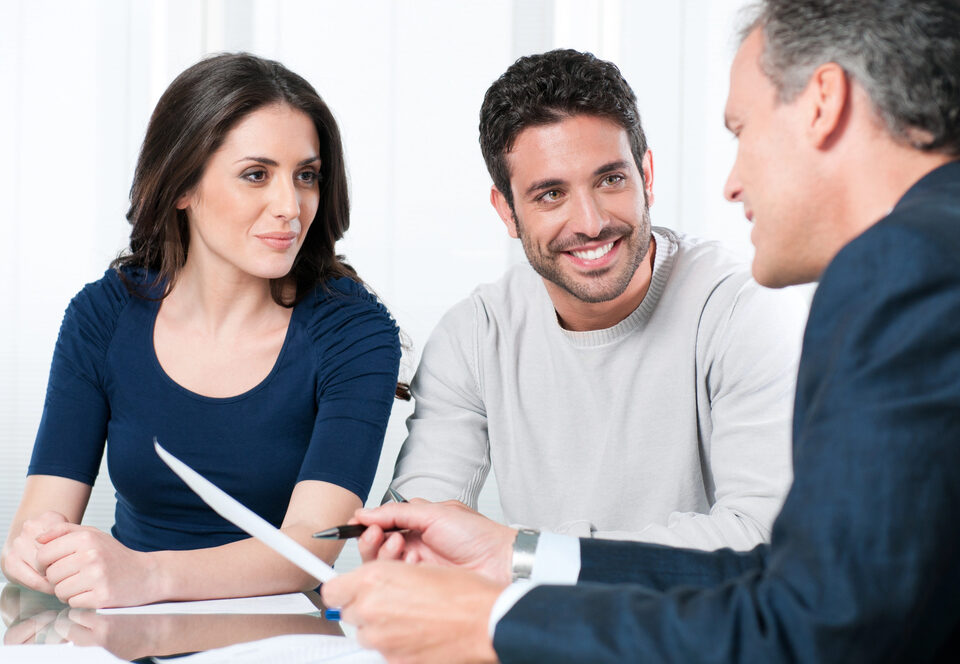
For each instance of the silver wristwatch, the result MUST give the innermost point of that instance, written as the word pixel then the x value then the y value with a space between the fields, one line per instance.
pixel 524 552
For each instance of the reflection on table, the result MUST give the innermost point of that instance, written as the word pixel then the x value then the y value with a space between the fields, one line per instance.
pixel 30 618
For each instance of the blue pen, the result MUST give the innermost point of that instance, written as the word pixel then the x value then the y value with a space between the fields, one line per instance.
pixel 334 614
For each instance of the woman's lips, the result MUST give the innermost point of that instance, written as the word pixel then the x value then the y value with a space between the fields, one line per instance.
pixel 280 241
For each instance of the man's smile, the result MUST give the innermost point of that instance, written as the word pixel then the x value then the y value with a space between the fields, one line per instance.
pixel 593 254
pixel 596 257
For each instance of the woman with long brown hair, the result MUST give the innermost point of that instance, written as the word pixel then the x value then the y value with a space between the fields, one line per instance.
pixel 233 333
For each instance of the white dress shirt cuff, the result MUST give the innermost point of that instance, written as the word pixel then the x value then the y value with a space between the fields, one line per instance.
pixel 557 562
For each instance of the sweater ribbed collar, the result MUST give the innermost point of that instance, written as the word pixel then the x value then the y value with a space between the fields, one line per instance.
pixel 663 260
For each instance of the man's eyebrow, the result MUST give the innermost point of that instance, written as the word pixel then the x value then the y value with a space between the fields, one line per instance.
pixel 543 184
pixel 612 166
pixel 266 161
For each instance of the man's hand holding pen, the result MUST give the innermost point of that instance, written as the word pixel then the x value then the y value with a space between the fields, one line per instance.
pixel 387 601
pixel 447 534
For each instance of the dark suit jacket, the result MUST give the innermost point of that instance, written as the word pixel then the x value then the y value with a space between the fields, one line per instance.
pixel 864 559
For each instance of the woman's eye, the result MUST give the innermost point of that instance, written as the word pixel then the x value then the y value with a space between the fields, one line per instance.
pixel 258 175
pixel 309 177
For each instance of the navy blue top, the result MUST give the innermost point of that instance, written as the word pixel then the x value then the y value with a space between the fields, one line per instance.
pixel 320 414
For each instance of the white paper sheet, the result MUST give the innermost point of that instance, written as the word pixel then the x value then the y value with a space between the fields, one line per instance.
pixel 290 603
pixel 240 516
pixel 57 654
pixel 289 649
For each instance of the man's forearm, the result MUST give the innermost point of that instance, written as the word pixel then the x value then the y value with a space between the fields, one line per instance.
pixel 659 567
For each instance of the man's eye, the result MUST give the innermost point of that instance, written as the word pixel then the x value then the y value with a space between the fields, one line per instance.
pixel 613 179
pixel 551 196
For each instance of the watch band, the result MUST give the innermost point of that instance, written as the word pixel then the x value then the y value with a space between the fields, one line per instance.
pixel 524 553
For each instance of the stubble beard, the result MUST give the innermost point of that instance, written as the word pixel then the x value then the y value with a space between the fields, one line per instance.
pixel 591 287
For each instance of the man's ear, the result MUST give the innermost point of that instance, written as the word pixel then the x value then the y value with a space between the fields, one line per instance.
pixel 647 164
pixel 499 203
pixel 829 94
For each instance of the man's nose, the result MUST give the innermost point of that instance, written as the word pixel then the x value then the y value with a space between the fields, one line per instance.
pixel 589 218
pixel 733 189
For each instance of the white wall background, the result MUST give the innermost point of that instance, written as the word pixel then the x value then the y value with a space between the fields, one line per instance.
pixel 405 79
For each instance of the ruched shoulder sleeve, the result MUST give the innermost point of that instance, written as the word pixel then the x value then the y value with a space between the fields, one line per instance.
pixel 357 352
pixel 75 413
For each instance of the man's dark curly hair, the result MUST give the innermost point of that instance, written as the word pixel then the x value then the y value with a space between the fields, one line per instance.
pixel 546 88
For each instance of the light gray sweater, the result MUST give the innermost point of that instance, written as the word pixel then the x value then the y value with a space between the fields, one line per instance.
pixel 673 426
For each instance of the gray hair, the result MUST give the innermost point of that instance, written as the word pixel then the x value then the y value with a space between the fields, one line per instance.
pixel 904 53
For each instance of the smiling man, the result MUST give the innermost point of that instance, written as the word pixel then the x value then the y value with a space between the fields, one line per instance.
pixel 629 382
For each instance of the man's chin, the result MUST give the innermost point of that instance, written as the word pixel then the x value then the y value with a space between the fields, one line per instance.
pixel 592 293
pixel 780 276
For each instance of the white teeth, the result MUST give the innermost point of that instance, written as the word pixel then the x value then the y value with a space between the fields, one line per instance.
pixel 593 254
